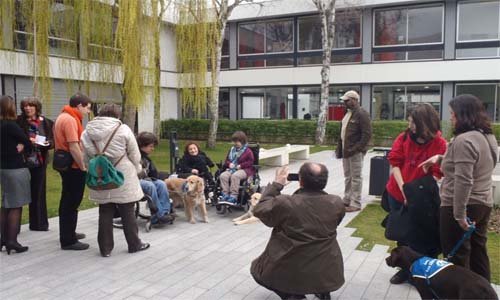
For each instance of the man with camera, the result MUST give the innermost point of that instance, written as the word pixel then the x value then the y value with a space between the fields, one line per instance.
pixel 302 256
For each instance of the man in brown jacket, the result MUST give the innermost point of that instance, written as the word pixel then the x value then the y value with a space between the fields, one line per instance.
pixel 302 256
pixel 356 132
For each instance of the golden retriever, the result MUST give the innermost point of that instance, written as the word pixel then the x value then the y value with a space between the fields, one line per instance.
pixel 189 192
pixel 248 217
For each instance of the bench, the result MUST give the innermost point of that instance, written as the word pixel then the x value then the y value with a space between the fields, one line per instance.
pixel 280 156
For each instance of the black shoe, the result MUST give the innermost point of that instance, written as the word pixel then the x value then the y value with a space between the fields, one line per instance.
pixel 76 246
pixel 166 219
pixel 105 254
pixel 143 246
pixel 80 236
pixel 400 277
pixel 16 247
pixel 323 296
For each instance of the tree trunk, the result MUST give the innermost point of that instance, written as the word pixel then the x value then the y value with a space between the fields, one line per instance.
pixel 325 83
pixel 213 104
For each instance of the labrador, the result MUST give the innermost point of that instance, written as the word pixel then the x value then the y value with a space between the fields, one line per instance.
pixel 248 217
pixel 190 193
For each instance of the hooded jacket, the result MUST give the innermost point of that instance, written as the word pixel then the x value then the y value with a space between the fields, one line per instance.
pixel 99 130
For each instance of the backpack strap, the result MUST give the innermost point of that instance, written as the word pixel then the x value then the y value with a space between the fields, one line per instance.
pixel 99 152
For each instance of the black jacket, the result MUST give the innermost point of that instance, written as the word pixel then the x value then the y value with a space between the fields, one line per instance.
pixel 200 162
pixel 11 135
pixel 423 207
pixel 148 167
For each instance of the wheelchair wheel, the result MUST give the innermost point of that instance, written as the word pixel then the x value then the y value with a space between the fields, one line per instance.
pixel 221 209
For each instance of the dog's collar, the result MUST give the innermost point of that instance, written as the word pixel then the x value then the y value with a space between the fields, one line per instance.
pixel 184 187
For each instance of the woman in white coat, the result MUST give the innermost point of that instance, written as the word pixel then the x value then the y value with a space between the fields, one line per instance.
pixel 124 146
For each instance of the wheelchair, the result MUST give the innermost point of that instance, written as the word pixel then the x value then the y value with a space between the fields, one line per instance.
pixel 247 186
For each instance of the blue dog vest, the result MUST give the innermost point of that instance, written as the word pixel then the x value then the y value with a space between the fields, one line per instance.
pixel 427 267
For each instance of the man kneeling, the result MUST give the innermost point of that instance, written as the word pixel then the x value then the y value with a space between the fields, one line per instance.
pixel 302 256
pixel 156 189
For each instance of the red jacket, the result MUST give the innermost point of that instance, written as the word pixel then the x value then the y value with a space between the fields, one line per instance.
pixel 407 155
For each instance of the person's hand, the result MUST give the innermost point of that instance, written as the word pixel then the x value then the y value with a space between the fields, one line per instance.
pixel 194 171
pixel 464 224
pixel 33 140
pixel 430 162
pixel 238 167
pixel 20 148
pixel 231 166
pixel 405 201
pixel 281 175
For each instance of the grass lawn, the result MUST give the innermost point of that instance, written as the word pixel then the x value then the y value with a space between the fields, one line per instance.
pixel 367 224
pixel 161 157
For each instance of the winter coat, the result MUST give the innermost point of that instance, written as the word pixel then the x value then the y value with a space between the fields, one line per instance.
pixel 246 161
pixel 358 135
pixel 200 162
pixel 99 130
pixel 302 255
pixel 407 155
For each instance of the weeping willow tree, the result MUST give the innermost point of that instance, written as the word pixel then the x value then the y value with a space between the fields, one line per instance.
pixel 6 13
pixel 200 35
pixel 85 29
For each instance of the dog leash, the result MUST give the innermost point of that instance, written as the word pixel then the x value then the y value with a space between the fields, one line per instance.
pixel 466 235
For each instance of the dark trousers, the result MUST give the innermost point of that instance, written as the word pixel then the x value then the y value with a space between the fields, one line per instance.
pixel 73 186
pixel 472 254
pixel 105 232
pixel 38 206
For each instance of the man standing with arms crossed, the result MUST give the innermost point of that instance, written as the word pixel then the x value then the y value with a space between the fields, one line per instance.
pixel 68 130
pixel 353 142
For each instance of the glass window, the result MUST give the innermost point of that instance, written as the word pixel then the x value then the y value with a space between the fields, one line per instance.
pixel 250 63
pixel 310 60
pixel 270 103
pixel 389 56
pixel 308 101
pixel 478 21
pixel 486 92
pixel 418 25
pixel 224 103
pixel 252 38
pixel 225 43
pixel 279 36
pixel 310 33
pixel 477 52
pixel 392 102
pixel 63 32
pixel 279 62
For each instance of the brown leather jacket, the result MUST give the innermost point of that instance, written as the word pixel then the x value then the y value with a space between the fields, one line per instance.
pixel 302 255
pixel 358 134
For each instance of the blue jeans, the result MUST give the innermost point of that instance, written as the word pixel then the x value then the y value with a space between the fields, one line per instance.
pixel 158 192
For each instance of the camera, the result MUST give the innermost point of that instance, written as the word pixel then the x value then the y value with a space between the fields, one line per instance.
pixel 293 177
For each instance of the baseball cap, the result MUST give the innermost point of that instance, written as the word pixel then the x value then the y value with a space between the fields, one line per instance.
pixel 350 94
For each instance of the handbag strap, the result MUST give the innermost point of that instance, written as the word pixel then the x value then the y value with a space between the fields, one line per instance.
pixel 493 155
pixel 107 144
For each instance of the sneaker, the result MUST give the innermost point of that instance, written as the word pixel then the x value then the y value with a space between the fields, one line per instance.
pixel 76 246
pixel 143 247
pixel 166 219
pixel 400 277
pixel 352 209
pixel 228 201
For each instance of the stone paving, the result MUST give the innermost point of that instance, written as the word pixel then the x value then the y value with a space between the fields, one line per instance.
pixel 185 261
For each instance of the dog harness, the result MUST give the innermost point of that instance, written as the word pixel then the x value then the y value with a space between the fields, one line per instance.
pixel 427 267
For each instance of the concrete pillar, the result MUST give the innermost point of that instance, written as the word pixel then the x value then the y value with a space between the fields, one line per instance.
pixel 233 103
pixel 366 37
pixel 366 97
pixel 450 29
pixel 447 93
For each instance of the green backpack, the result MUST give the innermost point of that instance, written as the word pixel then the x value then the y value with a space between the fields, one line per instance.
pixel 101 173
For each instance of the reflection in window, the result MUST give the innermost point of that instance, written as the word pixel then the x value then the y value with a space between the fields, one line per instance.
pixel 478 52
pixel 308 101
pixel 393 102
pixel 224 65
pixel 310 33
pixel 478 21
pixel 62 37
pixel 486 92
pixel 224 103
pixel 279 36
pixel 252 38
pixel 270 103
pixel 390 27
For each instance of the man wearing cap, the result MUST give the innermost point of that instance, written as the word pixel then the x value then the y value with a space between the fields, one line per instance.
pixel 353 142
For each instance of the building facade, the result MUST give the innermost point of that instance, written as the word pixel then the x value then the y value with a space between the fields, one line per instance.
pixel 394 53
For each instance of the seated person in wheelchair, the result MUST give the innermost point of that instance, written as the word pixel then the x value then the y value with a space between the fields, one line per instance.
pixel 239 164
pixel 150 184
pixel 195 162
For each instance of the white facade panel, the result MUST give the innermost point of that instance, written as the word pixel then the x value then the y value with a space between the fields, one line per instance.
pixel 168 49
pixel 146 113
pixel 169 104
pixel 430 71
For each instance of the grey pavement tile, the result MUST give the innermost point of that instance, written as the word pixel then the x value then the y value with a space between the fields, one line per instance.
pixel 190 294
pixel 398 291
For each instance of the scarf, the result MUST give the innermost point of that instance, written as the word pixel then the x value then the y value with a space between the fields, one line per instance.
pixel 33 130
pixel 76 115
pixel 235 154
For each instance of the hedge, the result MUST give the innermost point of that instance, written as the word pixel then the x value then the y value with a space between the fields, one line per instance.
pixel 287 131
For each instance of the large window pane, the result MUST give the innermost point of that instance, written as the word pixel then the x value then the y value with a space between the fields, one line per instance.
pixel 251 64
pixel 487 92
pixel 310 33
pixel 425 54
pixel 477 52
pixel 275 106
pixel 225 43
pixel 271 103
pixel 425 94
pixel 252 103
pixel 279 36
pixel 425 25
pixel 308 99
pixel 390 27
pixel 224 103
pixel 478 20
pixel 389 56
pixel 279 62
pixel 348 29
pixel 252 38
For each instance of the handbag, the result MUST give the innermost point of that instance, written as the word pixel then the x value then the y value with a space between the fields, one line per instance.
pixel 62 160
pixel 398 225
pixel 32 160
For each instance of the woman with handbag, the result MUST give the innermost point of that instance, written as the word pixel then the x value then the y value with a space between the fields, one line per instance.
pixel 14 176
pixel 466 188
pixel 420 141
pixel 106 135
pixel 39 130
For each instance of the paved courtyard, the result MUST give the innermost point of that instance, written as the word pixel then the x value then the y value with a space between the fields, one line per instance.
pixel 185 262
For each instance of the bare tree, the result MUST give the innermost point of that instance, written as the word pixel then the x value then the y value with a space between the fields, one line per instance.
pixel 326 9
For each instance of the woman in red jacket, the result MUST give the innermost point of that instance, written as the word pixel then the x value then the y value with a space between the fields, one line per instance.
pixel 419 142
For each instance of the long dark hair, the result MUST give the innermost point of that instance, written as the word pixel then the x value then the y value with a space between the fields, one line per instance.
pixel 31 101
pixel 470 114
pixel 426 121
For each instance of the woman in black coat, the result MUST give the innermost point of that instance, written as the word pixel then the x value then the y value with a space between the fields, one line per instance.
pixel 34 124
pixel 194 162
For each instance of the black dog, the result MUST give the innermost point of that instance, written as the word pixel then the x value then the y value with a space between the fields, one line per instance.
pixel 452 282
